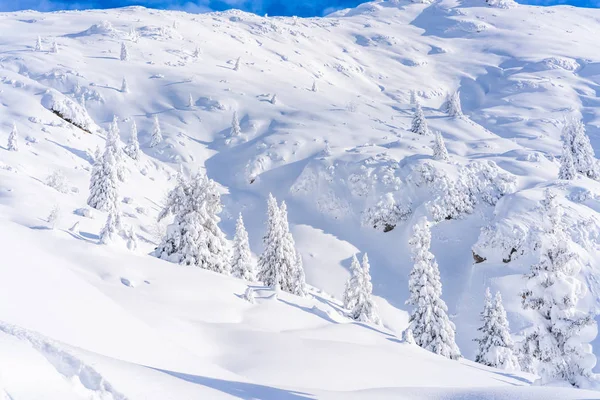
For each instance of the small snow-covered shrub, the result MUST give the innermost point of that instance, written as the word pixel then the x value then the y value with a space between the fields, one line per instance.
pixel 70 111
pixel 127 200
pixel 386 213
pixel 83 212
pixel 580 195
pixel 58 181
pixel 54 217
pixel 141 210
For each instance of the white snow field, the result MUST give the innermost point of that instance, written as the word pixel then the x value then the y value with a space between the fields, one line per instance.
pixel 82 320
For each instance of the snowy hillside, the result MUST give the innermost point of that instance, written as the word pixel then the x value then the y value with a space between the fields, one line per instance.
pixel 325 109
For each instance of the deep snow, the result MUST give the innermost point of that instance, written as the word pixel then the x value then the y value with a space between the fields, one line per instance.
pixel 83 320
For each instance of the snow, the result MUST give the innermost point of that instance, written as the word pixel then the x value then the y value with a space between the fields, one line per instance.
pixel 84 320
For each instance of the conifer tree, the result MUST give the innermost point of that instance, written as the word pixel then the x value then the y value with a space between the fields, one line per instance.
pixel 567 167
pixel 114 143
pixel 274 99
pixel 54 47
pixel 110 230
pixel 13 142
pixel 439 148
pixel 194 237
pixel 280 264
pixel 242 265
pixel 133 146
pixel 124 86
pixel 156 133
pixel 452 106
pixel 124 52
pixel 235 126
pixel 191 101
pixel 419 123
pixel 104 180
pixel 575 138
pixel 429 322
pixel 556 344
pixel 130 237
pixel 196 53
pixel 495 345
pixel 314 86
pixel 352 285
pixel 365 309
pixel 413 97
pixel 237 64
pixel 38 44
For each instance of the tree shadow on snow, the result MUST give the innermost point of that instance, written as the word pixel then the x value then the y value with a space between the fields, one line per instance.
pixel 503 374
pixel 242 390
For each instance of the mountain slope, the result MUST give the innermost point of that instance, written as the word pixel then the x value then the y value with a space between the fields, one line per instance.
pixel 332 154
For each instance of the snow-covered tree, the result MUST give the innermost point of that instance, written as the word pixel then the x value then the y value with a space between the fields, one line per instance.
pixel 274 99
pixel 110 230
pixel 237 64
pixel 38 44
pixel 124 52
pixel 452 105
pixel 567 167
pixel 191 101
pixel 249 295
pixel 196 52
pixel 352 284
pixel 241 264
pixel 54 47
pixel 439 148
pixel 575 138
pixel 556 343
pixel 419 123
pixel 131 238
pixel 194 237
pixel 133 146
pixel 495 345
pixel 235 126
pixel 124 86
pixel 280 264
pixel 429 322
pixel 13 142
pixel 413 97
pixel 104 180
pixel 361 297
pixel 314 86
pixel 156 133
pixel 114 143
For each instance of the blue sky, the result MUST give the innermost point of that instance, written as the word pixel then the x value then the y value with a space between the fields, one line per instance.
pixel 302 8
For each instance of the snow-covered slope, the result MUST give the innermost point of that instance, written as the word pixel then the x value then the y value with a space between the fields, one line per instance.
pixel 84 320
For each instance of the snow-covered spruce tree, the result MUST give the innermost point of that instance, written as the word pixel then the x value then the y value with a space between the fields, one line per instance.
pixel 111 229
pixel 241 264
pixel 191 101
pixel 54 48
pixel 235 126
pixel 194 237
pixel 269 269
pixel 38 44
pixel 196 52
pixel 13 142
pixel 114 143
pixel 575 138
pixel 156 133
pixel 280 264
pixel 553 290
pixel 452 105
pixel 293 280
pixel 104 180
pixel 314 87
pixel 439 148
pixel 131 238
pixel 413 97
pixel 124 86
pixel 419 123
pixel 237 64
pixel 365 309
pixel 124 52
pixel 274 99
pixel 495 345
pixel 352 284
pixel 567 167
pixel 133 146
pixel 429 322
